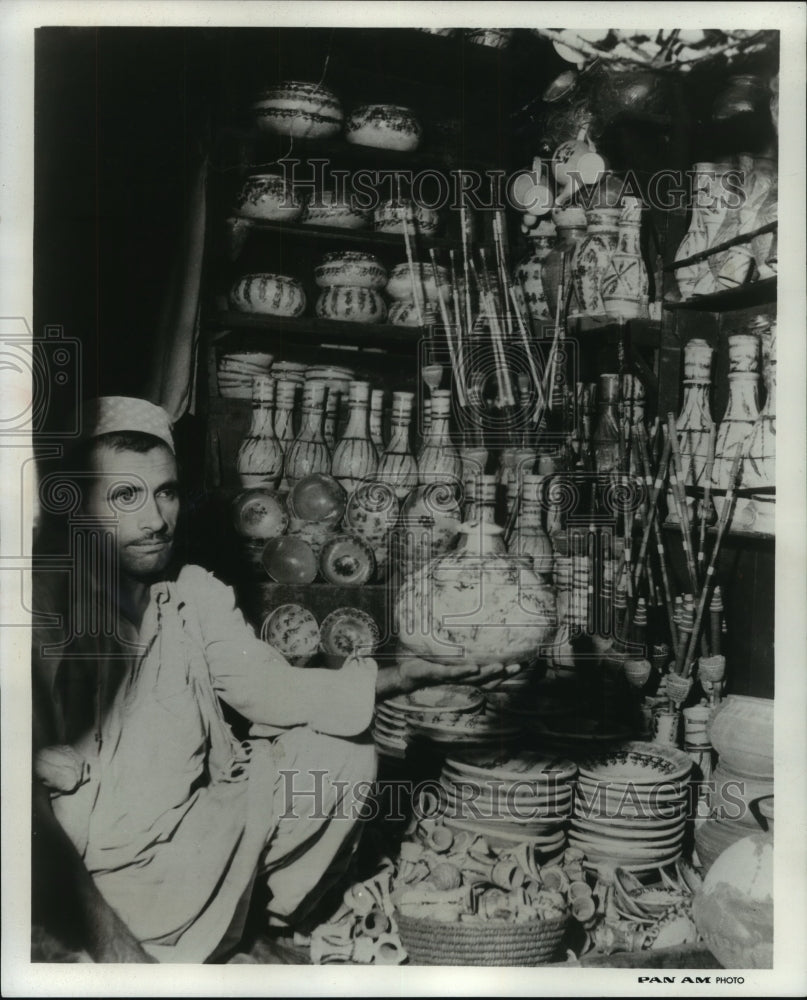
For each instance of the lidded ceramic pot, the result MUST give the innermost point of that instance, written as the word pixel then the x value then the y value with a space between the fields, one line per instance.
pixel 355 268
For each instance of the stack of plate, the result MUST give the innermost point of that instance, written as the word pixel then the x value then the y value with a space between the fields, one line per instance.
pixel 510 800
pixel 292 371
pixel 631 806
pixel 440 705
pixel 236 372
pixel 468 733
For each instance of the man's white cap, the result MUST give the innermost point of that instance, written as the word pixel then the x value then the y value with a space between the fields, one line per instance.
pixel 110 414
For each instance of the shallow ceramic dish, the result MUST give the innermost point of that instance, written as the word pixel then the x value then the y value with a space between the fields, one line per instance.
pixel 439 698
pixel 384 126
pixel 293 631
pixel 522 767
pixel 269 295
pixel 268 197
pixel 506 839
pixel 349 630
pixel 638 763
pixel 603 830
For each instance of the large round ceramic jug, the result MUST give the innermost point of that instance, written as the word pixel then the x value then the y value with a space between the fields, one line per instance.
pixel 476 605
pixel 742 733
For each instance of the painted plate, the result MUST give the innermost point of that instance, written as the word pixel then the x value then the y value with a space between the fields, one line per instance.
pixel 524 767
pixel 440 698
pixel 638 762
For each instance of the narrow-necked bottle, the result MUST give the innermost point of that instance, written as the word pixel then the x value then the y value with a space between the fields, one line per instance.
pixel 482 511
pixel 398 467
pixel 260 457
pixel 529 538
pixel 355 459
pixel 694 424
pixel 625 285
pixel 376 419
pixel 308 452
pixel 285 395
pixel 439 462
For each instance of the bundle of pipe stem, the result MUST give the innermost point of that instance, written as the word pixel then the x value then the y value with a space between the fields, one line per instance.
pixel 500 302
pixel 688 624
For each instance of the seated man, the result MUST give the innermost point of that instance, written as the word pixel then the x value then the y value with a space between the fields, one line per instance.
pixel 151 821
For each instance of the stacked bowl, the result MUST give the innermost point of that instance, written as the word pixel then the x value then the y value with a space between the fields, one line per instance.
pixel 631 806
pixel 510 800
pixel 418 285
pixel 237 371
pixel 444 703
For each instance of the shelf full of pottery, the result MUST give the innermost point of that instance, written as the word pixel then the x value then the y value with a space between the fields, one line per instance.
pixel 736 455
pixel 731 242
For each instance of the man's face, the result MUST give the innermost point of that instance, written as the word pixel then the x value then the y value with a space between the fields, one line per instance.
pixel 141 492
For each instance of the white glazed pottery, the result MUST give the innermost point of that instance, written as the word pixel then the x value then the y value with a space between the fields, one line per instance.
pixel 299 109
pixel 269 295
pixel 354 305
pixel 384 126
pixel 356 268
pixel 268 197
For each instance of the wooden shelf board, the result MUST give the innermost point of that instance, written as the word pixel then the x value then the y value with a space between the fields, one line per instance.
pixel 381 338
pixel 758 293
pixel 642 332
pixel 331 234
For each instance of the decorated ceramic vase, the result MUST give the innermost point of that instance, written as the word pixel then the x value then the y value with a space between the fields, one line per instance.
pixel 592 261
pixel 428 525
pixel 397 466
pixel 260 458
pixel 475 606
pixel 354 268
pixel 308 452
pixel 529 272
pixel 625 285
pixel 439 461
pixel 354 458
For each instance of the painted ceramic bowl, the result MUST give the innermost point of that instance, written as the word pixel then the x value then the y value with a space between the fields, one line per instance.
pixel 372 511
pixel 346 631
pixel 259 513
pixel 356 268
pixel 391 216
pixel 268 197
pixel 269 295
pixel 293 631
pixel 403 281
pixel 354 305
pixel 325 209
pixel 347 561
pixel 384 126
pixel 493 38
pixel 299 109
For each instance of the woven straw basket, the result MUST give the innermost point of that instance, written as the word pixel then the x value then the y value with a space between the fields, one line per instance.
pixel 492 942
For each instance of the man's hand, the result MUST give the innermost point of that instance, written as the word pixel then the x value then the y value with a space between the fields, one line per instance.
pixel 411 673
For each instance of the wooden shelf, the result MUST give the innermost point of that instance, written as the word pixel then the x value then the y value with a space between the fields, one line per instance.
pixel 248 329
pixel 363 238
pixel 758 293
pixel 269 146
pixel 696 258
pixel 642 332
